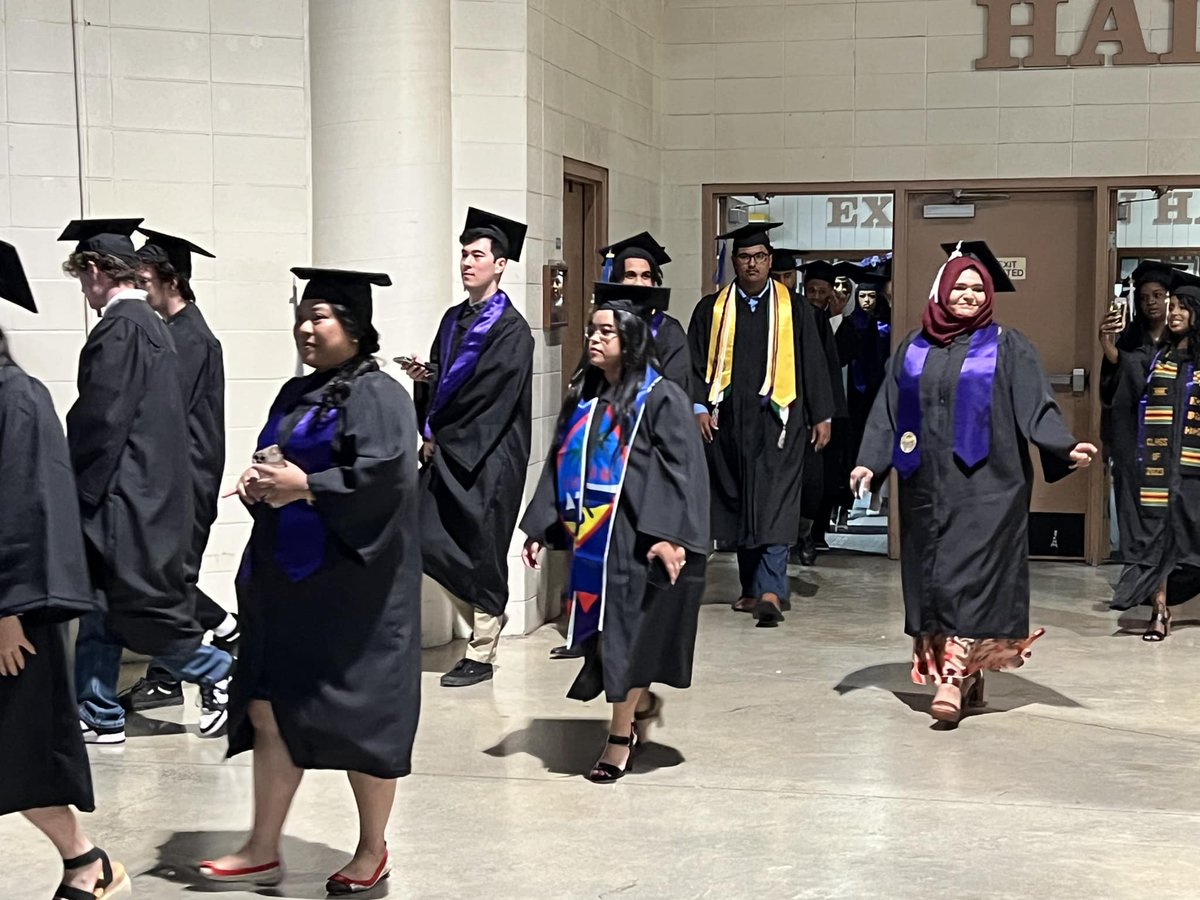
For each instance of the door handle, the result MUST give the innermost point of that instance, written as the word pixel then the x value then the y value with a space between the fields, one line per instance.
pixel 1076 382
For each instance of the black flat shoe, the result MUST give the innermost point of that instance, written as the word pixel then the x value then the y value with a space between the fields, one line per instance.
pixel 565 652
pixel 605 772
pixel 466 673
pixel 767 614
pixel 808 552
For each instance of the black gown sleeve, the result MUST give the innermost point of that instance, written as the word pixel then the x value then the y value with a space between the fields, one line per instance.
pixel 674 507
pixel 206 422
pixel 673 354
pixel 879 434
pixel 1038 417
pixel 847 342
pixel 836 387
pixel 813 374
pixel 697 336
pixel 423 390
pixel 112 379
pixel 378 447
pixel 540 519
pixel 477 418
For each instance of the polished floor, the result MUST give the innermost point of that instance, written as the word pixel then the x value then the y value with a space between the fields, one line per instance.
pixel 802 763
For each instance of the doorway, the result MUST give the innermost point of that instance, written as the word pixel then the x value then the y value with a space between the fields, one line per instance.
pixel 585 230
pixel 1046 239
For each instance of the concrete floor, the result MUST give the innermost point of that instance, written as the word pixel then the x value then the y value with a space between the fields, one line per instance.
pixel 801 764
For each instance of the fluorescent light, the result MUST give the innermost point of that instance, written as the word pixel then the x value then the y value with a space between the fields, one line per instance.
pixel 948 211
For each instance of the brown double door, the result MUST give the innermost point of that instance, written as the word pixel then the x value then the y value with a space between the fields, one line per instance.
pixel 1049 237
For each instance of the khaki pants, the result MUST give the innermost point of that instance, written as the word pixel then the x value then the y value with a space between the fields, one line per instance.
pixel 485 632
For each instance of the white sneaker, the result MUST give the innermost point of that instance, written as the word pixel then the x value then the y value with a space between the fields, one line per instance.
pixel 98 734
pixel 214 708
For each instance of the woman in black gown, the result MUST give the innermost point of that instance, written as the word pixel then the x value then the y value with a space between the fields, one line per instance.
pixel 864 343
pixel 329 586
pixel 625 488
pixel 962 400
pixel 1166 472
pixel 43 585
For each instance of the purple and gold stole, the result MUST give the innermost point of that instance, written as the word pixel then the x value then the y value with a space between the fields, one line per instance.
pixel 972 404
pixel 455 372
pixel 589 489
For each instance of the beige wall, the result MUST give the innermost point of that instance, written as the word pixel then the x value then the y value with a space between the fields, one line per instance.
pixel 194 115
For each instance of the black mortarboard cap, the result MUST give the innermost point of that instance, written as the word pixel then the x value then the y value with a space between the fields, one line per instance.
pixel 875 271
pixel 1181 278
pixel 1155 270
pixel 644 299
pixel 784 259
pixel 982 253
pixel 177 251
pixel 823 270
pixel 111 237
pixel 752 235
pixel 508 236
pixel 14 286
pixel 643 246
pixel 351 289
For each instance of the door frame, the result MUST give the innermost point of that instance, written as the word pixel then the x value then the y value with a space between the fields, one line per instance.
pixel 906 311
pixel 595 230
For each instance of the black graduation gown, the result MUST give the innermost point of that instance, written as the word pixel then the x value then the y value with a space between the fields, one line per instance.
pixel 44 580
pixel 755 486
pixel 1162 544
pixel 827 473
pixel 471 490
pixel 128 438
pixel 671 347
pixel 202 378
pixel 649 632
pixel 338 653
pixel 862 347
pixel 964 543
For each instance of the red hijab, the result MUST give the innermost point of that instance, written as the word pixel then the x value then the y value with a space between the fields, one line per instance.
pixel 941 325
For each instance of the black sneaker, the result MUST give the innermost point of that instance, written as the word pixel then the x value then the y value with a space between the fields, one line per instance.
pixel 466 673
pixel 151 693
pixel 214 708
pixel 229 643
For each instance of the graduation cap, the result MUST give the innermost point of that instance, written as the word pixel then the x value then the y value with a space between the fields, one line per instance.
pixel 110 237
pixel 1155 270
pixel 14 286
pixel 784 260
pixel 640 246
pixel 823 270
pixel 508 237
pixel 1181 278
pixel 981 253
pixel 350 289
pixel 752 235
pixel 874 273
pixel 643 299
pixel 166 248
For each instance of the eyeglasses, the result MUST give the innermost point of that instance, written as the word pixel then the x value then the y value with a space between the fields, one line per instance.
pixel 752 257
pixel 605 332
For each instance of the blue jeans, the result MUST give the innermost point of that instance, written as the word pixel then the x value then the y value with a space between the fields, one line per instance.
pixel 98 669
pixel 763 570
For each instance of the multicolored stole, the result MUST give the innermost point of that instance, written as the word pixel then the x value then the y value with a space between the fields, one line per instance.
pixel 590 479
pixel 972 403
pixel 779 381
pixel 455 372
pixel 1157 432
pixel 300 535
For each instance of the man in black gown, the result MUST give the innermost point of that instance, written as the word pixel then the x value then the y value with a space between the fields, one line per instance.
pixel 475 400
pixel 825 476
pixel 165 274
pixel 761 373
pixel 127 433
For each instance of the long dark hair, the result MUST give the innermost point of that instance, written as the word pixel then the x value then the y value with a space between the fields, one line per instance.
pixel 883 306
pixel 337 390
pixel 5 357
pixel 1189 299
pixel 637 352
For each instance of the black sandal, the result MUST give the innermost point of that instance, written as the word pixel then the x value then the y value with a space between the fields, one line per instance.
pixel 767 614
pixel 643 719
pixel 605 772
pixel 109 884
pixel 1159 628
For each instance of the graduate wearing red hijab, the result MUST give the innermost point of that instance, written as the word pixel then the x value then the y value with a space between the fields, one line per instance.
pixel 963 399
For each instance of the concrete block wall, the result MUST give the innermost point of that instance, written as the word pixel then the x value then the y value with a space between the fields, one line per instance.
pixel 193 114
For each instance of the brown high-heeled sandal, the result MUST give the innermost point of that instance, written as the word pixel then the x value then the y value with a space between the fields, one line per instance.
pixel 1159 628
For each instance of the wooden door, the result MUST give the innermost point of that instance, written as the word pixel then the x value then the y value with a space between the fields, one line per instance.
pixel 1051 237
pixel 575 251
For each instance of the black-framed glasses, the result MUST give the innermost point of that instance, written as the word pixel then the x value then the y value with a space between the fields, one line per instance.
pixel 759 257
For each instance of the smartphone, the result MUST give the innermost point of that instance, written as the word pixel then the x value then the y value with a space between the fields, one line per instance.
pixel 269 456
pixel 657 575
pixel 407 361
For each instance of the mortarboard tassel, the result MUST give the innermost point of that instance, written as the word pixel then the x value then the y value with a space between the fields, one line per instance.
pixel 937 281
pixel 606 274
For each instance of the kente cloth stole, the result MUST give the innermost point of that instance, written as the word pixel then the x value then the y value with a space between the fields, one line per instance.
pixel 455 372
pixel 1158 434
pixel 589 489
pixel 779 380
pixel 972 403
pixel 300 536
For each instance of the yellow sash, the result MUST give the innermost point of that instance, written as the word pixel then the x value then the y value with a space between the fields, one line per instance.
pixel 779 381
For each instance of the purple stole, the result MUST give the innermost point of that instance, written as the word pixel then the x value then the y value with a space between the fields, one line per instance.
pixel 456 372
pixel 972 403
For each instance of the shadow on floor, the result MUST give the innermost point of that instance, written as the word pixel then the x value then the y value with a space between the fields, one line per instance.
pixel 137 725
pixel 308 865
pixel 570 746
pixel 1004 691
pixel 1134 622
